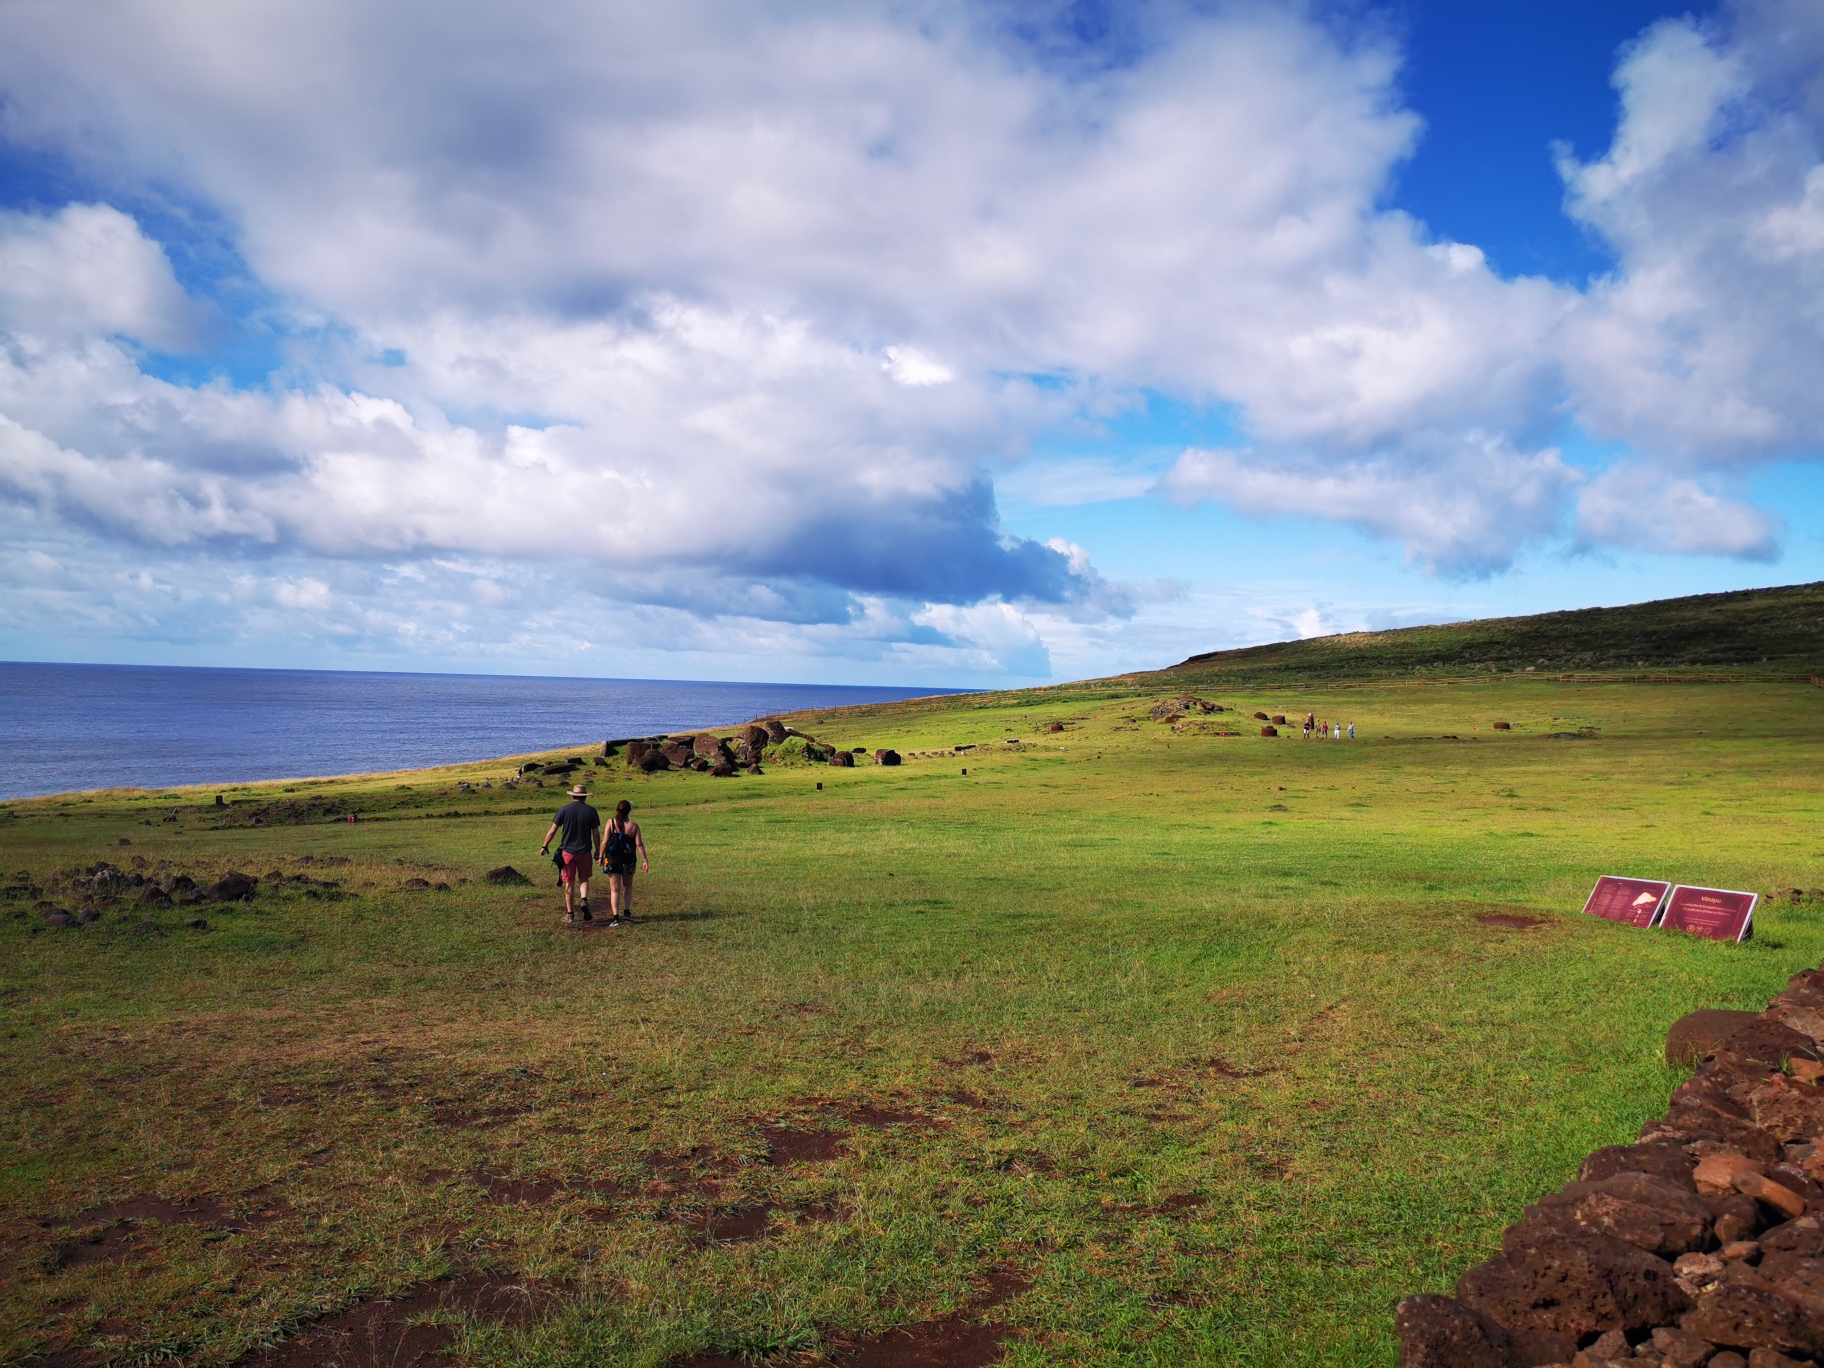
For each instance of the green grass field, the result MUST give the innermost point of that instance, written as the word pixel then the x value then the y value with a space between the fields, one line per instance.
pixel 1192 1046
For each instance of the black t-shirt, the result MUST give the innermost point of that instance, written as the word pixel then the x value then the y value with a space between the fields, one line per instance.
pixel 577 823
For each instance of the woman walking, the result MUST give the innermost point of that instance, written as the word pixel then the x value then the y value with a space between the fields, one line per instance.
pixel 621 842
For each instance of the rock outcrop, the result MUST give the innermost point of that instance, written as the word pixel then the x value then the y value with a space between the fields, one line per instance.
pixel 1701 1243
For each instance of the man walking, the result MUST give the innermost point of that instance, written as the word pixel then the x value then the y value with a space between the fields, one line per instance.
pixel 581 826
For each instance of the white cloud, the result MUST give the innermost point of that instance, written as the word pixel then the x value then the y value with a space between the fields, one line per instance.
pixel 84 271
pixel 738 302
pixel 1644 510
pixel 1467 510
pixel 1703 350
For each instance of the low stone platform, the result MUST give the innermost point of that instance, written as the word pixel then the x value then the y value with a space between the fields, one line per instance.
pixel 1700 1244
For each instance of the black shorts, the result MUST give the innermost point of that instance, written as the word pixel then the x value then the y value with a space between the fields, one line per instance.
pixel 618 864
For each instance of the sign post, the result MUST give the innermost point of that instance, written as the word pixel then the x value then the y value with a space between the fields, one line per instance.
pixel 1716 913
pixel 1633 902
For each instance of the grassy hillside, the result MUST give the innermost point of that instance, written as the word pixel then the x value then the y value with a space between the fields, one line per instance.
pixel 1772 631
pixel 1138 1044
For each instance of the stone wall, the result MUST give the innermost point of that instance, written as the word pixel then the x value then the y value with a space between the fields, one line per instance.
pixel 1701 1243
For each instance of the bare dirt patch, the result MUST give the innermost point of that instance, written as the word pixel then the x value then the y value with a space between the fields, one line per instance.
pixel 742 1226
pixel 953 1342
pixel 514 1191
pixel 111 1231
pixel 1184 1201
pixel 1512 921
pixel 206 1211
pixel 392 1334
pixel 969 1059
pixel 787 1145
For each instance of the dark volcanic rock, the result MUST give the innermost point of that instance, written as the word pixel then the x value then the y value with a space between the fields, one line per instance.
pixel 1733 1217
pixel 506 874
pixel 1554 1285
pixel 1746 1312
pixel 1767 1043
pixel 724 769
pixel 1697 1034
pixel 886 757
pixel 637 751
pixel 775 730
pixel 1665 1159
pixel 1438 1332
pixel 1642 1209
pixel 654 761
pixel 231 887
pixel 59 919
pixel 842 760
pixel 756 736
pixel 680 753
pixel 1269 731
pixel 1804 1237
pixel 152 896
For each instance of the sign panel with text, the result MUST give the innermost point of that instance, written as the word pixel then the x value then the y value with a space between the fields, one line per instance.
pixel 1717 913
pixel 1634 902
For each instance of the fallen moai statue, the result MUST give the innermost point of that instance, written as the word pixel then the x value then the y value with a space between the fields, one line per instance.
pixel 1700 1244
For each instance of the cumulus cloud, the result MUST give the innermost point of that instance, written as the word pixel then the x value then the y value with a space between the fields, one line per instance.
pixel 1643 509
pixel 88 270
pixel 1466 511
pixel 1702 351
pixel 738 305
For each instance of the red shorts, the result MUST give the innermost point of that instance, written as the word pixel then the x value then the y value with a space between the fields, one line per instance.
pixel 576 866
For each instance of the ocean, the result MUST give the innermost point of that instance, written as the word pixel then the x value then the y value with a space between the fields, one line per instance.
pixel 65 728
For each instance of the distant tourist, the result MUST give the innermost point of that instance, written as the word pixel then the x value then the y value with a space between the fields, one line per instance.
pixel 581 826
pixel 620 844
pixel 1352 731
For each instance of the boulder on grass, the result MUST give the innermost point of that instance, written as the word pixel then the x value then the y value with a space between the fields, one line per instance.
pixel 1550 1290
pixel 654 761
pixel 706 745
pixel 1055 727
pixel 887 756
pixel 1641 1209
pixel 1278 719
pixel 723 769
pixel 1441 1332
pixel 1269 731
pixel 756 736
pixel 842 760
pixel 637 751
pixel 679 752
pixel 506 874
pixel 1261 717
pixel 1666 1159
pixel 231 887
pixel 775 730
pixel 1504 726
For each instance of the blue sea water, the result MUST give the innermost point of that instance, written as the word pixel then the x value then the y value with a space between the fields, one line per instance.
pixel 65 728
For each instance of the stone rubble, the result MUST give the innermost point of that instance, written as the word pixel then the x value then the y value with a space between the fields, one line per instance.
pixel 1701 1245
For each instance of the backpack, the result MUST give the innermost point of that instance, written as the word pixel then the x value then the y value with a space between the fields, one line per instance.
pixel 620 845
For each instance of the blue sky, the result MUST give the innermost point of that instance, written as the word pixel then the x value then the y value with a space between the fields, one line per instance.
pixel 960 344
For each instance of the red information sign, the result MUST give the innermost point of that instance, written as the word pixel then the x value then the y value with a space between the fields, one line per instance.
pixel 1633 901
pixel 1718 913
